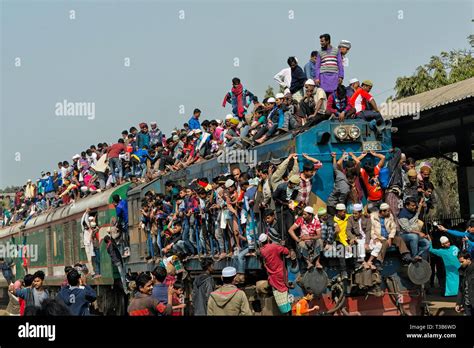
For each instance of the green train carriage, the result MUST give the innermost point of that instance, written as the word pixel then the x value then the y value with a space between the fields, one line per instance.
pixel 57 237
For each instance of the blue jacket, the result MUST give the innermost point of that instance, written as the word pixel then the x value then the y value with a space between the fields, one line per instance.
pixel 48 184
pixel 470 236
pixel 194 123
pixel 122 211
pixel 77 298
pixel 143 139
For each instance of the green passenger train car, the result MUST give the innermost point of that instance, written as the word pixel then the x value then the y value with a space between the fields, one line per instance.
pixel 54 240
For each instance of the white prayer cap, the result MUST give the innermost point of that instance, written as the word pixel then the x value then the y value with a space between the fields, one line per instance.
pixel 280 96
pixel 229 183
pixel 309 210
pixel 271 100
pixel 351 81
pixel 229 272
pixel 357 207
pixel 229 117
pixel 340 206
pixel 444 239
pixel 262 238
pixel 310 82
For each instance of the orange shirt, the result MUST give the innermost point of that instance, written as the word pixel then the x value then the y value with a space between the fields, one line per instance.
pixel 374 190
pixel 301 308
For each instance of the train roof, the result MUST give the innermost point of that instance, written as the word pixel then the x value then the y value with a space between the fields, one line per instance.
pixel 94 201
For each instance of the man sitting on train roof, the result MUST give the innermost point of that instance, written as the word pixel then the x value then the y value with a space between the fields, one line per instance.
pixel 365 105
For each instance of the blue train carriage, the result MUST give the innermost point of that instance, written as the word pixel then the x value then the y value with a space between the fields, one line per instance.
pixel 319 141
pixel 53 240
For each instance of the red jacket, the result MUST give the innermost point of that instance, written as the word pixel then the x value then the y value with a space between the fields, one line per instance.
pixel 273 255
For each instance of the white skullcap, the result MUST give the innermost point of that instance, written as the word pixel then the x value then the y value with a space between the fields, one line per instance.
pixel 76 156
pixel 384 206
pixel 309 210
pixel 351 81
pixel 279 96
pixel 262 238
pixel 357 207
pixel 310 82
pixel 271 100
pixel 229 117
pixel 444 239
pixel 229 272
pixel 229 183
pixel 340 206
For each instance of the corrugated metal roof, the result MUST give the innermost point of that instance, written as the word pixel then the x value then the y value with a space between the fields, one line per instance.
pixel 428 100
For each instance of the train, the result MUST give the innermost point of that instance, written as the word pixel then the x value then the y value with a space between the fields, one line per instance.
pixel 58 233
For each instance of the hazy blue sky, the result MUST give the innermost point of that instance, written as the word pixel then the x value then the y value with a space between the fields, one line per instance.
pixel 186 62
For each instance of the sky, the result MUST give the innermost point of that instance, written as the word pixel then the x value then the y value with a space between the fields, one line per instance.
pixel 183 55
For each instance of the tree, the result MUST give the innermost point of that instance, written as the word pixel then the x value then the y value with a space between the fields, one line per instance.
pixel 442 70
pixel 269 92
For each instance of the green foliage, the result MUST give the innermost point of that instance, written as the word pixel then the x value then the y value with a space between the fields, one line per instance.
pixel 442 70
pixel 269 92
pixel 445 180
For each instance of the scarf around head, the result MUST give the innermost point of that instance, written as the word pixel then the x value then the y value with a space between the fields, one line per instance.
pixel 238 95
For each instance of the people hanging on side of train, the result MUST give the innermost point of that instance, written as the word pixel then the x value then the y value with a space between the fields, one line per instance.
pixel 285 203
pixel 449 254
pixel 116 259
pixel 411 228
pixel 271 227
pixel 308 241
pixel 76 296
pixel 144 304
pixel 310 167
pixel 384 229
pixel 121 210
pixel 359 226
pixel 365 105
pixel 370 177
pixel 343 238
pixel 160 287
pixel 274 255
pixel 329 72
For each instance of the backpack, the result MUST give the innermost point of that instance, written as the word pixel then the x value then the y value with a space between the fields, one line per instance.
pixel 384 177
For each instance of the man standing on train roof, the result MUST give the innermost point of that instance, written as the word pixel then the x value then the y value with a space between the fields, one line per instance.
pixel 310 67
pixel 239 98
pixel 329 71
pixel 298 78
pixel 194 120
pixel 121 210
pixel 344 47
pixel 143 137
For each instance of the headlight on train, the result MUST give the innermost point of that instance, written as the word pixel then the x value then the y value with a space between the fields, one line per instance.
pixel 340 132
pixel 354 132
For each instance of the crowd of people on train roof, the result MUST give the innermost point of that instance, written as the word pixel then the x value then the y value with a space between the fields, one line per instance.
pixel 264 211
